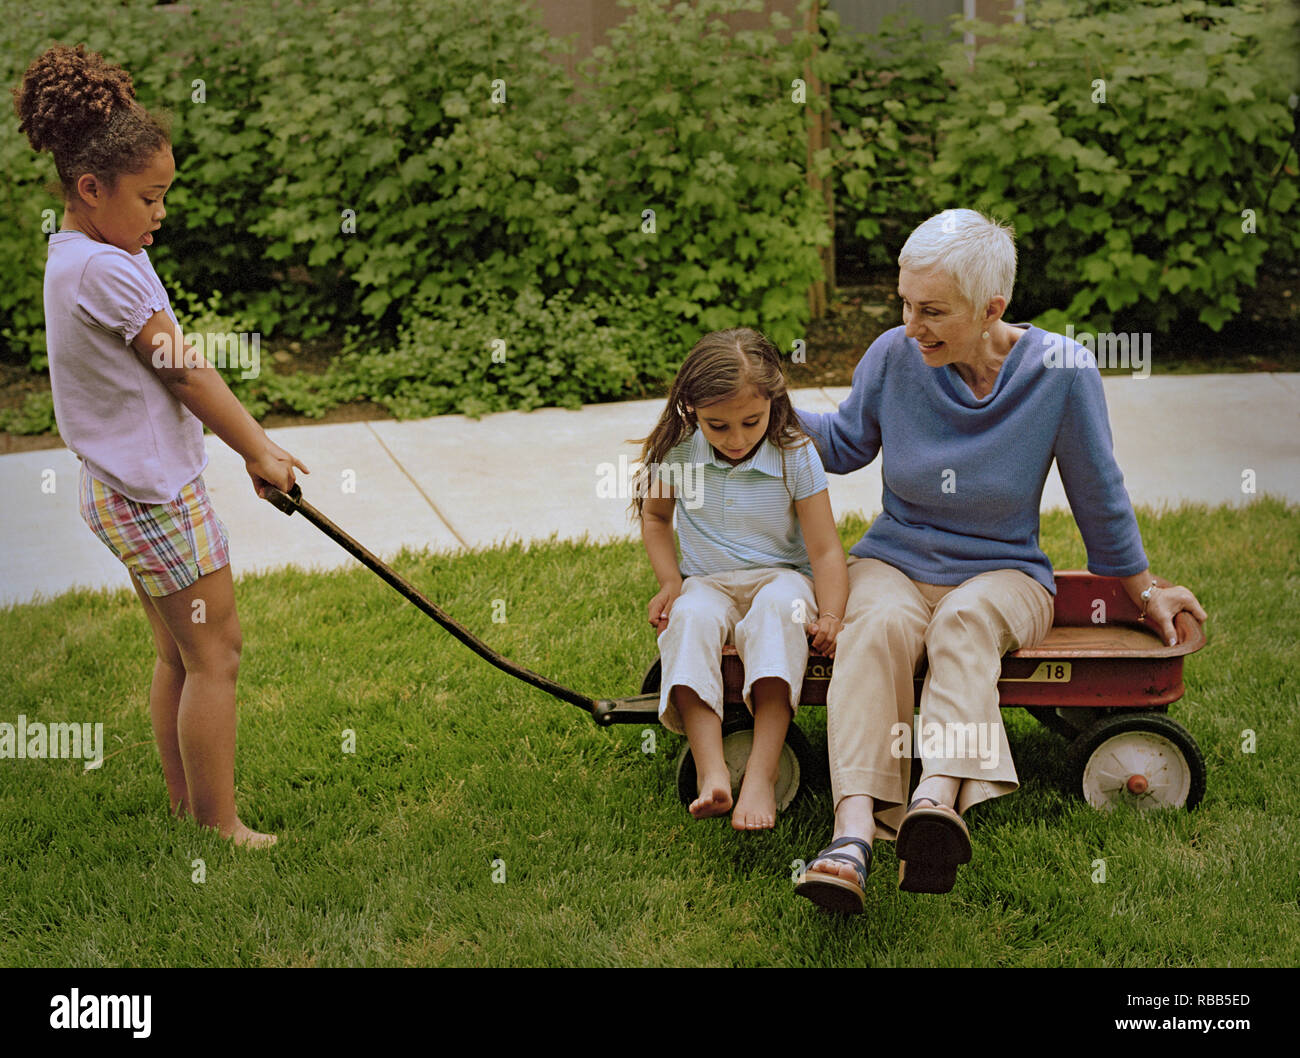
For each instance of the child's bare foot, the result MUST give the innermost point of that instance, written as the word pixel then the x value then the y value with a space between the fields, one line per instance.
pixel 715 796
pixel 756 806
pixel 249 838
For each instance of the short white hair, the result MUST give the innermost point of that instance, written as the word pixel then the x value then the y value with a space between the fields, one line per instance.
pixel 977 252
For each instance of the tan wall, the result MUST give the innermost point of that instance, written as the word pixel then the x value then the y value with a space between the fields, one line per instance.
pixel 592 19
pixel 589 21
pixel 995 10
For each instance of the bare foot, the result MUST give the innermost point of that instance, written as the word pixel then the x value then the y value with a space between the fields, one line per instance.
pixel 249 838
pixel 715 796
pixel 756 806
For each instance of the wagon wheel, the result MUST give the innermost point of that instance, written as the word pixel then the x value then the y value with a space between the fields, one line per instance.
pixel 1147 760
pixel 794 765
pixel 798 764
pixel 651 682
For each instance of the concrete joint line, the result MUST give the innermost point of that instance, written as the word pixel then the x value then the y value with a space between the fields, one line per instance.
pixel 427 498
pixel 1285 383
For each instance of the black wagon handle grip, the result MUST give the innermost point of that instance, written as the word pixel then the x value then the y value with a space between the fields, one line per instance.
pixel 285 502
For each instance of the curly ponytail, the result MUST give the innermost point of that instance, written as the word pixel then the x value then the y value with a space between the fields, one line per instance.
pixel 83 111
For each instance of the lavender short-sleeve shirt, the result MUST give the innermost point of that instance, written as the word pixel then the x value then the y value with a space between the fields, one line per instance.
pixel 112 409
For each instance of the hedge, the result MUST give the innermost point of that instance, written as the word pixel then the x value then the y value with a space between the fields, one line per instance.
pixel 408 170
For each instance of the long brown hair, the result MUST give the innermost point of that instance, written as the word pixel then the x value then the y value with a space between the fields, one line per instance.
pixel 718 367
pixel 83 111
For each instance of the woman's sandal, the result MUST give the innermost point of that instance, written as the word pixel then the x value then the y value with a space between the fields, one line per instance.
pixel 830 891
pixel 931 843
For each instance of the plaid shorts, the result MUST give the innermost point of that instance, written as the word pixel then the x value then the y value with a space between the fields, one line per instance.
pixel 166 546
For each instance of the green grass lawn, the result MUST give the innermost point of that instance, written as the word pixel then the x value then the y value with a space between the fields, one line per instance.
pixel 386 855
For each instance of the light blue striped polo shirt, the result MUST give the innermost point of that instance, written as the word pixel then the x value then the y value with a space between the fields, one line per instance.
pixel 740 517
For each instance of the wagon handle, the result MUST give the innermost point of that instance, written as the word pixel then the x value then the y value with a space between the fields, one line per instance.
pixel 292 503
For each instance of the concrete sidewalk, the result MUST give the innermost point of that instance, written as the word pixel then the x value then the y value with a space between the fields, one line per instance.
pixel 450 482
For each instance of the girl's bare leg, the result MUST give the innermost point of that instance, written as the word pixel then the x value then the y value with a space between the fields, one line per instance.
pixel 756 805
pixel 205 719
pixel 164 701
pixel 704 732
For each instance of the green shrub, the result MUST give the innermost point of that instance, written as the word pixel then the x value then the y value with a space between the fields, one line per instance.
pixel 698 124
pixel 888 99
pixel 34 416
pixel 205 239
pixel 498 352
pixel 441 129
pixel 286 115
pixel 1142 202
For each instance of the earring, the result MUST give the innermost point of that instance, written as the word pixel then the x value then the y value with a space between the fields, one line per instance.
pixel 985 336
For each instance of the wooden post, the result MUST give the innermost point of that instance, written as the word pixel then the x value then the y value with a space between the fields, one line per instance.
pixel 818 137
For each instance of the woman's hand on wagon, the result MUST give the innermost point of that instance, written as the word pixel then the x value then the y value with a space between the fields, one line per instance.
pixel 1164 604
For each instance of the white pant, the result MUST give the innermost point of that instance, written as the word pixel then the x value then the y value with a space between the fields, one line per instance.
pixel 763 611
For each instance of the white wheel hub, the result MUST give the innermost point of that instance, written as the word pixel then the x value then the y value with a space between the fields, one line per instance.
pixel 736 748
pixel 1139 768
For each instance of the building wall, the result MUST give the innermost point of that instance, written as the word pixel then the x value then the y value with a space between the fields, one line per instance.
pixel 865 16
pixel 590 20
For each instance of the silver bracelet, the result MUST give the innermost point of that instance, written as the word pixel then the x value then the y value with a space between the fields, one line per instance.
pixel 1146 600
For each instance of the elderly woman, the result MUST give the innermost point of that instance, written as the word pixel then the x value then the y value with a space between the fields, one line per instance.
pixel 969 413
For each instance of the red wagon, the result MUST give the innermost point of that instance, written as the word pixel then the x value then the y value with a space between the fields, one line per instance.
pixel 1101 679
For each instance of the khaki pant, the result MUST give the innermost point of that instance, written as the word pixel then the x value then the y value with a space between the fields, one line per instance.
pixel 963 630
pixel 763 611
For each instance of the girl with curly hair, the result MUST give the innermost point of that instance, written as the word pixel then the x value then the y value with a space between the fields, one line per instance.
pixel 131 400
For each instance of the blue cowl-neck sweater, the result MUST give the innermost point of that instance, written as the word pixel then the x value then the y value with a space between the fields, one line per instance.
pixel 963 478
